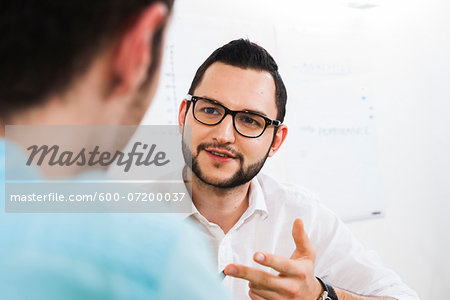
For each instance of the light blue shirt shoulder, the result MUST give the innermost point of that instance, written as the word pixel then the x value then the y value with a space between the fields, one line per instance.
pixel 102 256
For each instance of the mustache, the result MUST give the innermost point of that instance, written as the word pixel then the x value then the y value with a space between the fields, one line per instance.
pixel 203 146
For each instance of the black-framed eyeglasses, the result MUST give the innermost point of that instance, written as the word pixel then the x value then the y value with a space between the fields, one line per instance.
pixel 246 123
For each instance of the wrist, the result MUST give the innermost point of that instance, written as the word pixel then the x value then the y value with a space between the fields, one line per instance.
pixel 318 291
pixel 328 291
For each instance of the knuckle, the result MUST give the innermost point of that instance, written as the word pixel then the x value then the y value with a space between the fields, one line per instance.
pixel 252 295
pixel 265 280
pixel 291 266
pixel 292 290
pixel 242 271
pixel 301 275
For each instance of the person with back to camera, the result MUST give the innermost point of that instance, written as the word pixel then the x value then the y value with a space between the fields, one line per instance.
pixel 89 63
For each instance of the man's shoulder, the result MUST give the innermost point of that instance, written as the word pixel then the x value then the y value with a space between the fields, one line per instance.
pixel 120 243
pixel 84 231
pixel 136 252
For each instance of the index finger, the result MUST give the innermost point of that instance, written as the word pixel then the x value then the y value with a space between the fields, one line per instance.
pixel 255 276
pixel 285 266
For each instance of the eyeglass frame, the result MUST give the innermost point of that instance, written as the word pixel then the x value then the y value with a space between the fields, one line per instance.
pixel 268 122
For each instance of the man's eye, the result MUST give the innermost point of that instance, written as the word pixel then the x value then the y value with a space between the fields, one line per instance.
pixel 210 110
pixel 249 121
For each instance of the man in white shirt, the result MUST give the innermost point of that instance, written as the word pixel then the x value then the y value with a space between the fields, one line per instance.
pixel 271 240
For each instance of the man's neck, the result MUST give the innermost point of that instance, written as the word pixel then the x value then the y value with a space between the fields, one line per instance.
pixel 220 206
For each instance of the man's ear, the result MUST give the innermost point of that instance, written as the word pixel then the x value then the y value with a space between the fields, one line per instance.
pixel 2 127
pixel 133 50
pixel 182 114
pixel 280 136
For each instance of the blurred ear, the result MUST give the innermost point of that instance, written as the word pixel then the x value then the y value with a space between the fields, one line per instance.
pixel 2 127
pixel 133 54
pixel 182 114
pixel 280 136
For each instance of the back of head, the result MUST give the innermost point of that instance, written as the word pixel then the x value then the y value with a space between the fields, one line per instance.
pixel 46 45
pixel 244 54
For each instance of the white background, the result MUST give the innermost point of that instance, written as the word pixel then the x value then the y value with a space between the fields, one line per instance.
pixel 409 45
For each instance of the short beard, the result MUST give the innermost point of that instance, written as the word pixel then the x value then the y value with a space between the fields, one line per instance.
pixel 239 178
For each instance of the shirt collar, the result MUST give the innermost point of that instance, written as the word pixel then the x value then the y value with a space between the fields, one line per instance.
pixel 256 203
pixel 256 199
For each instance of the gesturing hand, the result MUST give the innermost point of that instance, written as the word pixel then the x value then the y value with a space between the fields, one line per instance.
pixel 296 278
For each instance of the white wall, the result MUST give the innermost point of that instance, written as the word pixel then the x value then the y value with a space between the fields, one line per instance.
pixel 413 111
pixel 411 42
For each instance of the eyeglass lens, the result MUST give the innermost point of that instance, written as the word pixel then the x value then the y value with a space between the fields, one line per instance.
pixel 211 113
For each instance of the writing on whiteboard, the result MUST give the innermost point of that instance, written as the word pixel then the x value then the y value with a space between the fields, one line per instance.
pixel 334 131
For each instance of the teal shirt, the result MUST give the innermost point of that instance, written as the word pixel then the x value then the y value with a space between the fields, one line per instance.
pixel 102 256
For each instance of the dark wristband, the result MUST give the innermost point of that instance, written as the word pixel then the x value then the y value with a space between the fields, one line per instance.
pixel 331 294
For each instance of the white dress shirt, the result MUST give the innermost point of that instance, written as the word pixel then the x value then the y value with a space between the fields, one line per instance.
pixel 267 226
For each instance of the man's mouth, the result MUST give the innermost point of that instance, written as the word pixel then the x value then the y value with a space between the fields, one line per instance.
pixel 220 153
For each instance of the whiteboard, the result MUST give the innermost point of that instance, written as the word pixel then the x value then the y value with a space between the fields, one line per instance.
pixel 331 116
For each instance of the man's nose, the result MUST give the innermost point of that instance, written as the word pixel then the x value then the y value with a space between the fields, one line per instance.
pixel 224 131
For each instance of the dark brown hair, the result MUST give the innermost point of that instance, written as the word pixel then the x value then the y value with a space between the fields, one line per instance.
pixel 246 55
pixel 45 45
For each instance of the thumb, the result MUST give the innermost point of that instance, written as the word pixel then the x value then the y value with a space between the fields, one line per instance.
pixel 303 246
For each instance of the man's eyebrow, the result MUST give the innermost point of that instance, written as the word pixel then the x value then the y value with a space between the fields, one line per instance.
pixel 256 112
pixel 249 110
